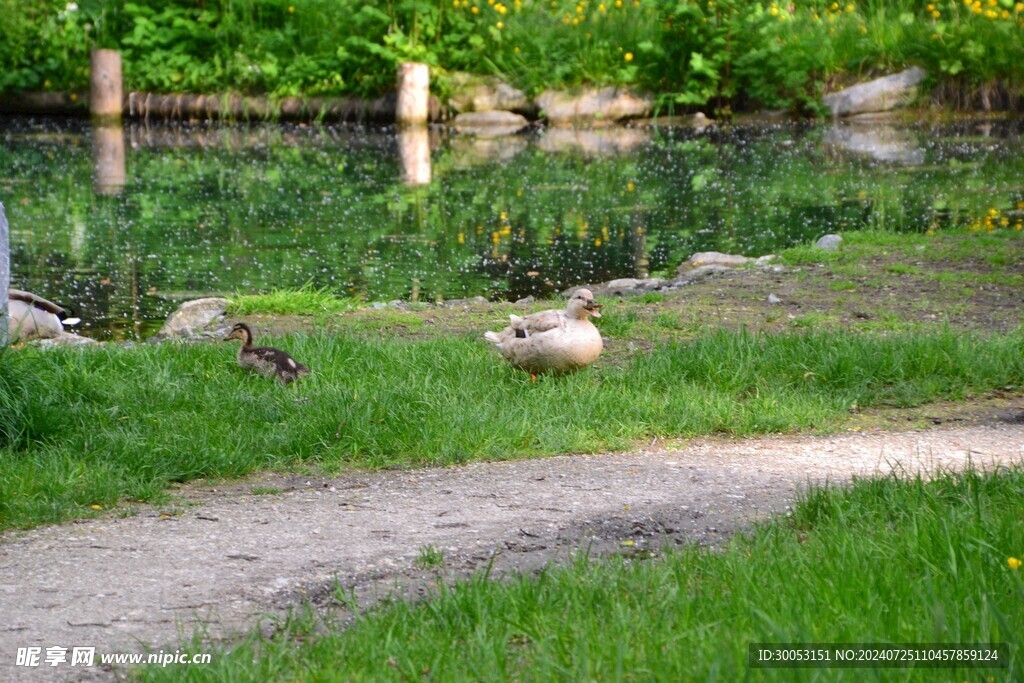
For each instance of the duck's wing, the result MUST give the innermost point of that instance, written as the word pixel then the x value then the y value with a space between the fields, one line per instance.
pixel 279 359
pixel 540 322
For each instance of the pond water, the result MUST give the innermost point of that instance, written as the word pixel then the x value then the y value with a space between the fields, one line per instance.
pixel 125 224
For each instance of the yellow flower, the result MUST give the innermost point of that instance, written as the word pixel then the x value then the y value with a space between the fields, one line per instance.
pixel 628 56
pixel 516 49
pixel 773 11
pixel 1013 562
pixel 500 25
pixel 618 3
pixel 504 216
pixel 474 9
pixel 630 186
pixel 291 9
pixel 850 7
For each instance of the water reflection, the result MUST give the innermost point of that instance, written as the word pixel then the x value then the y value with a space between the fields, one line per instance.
pixel 215 209
pixel 108 158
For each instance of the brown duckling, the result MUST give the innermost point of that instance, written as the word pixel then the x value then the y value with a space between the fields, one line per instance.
pixel 265 360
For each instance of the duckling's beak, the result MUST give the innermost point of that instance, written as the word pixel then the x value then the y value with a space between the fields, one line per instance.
pixel 592 307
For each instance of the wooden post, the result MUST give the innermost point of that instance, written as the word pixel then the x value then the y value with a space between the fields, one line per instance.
pixel 108 173
pixel 414 153
pixel 5 274
pixel 106 91
pixel 413 94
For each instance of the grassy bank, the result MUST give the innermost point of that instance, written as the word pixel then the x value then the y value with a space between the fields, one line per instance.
pixel 887 561
pixel 729 54
pixel 88 428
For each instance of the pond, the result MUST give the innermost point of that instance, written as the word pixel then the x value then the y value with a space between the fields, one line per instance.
pixel 125 224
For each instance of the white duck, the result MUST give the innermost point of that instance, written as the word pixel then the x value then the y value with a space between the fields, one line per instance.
pixel 552 341
pixel 30 316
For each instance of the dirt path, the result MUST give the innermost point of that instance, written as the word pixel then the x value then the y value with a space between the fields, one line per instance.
pixel 124 583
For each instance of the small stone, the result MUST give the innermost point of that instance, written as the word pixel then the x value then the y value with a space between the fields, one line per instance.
pixel 773 299
pixel 526 300
pixel 829 242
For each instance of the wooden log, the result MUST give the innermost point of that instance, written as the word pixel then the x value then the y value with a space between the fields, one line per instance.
pixel 106 90
pixel 413 105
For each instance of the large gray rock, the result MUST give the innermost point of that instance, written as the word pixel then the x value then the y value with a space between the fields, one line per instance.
pixel 712 258
pixel 881 94
pixel 591 106
pixel 193 317
pixel 484 93
pixel 489 123
pixel 628 286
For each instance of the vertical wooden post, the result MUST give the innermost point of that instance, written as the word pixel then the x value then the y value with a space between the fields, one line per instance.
pixel 413 94
pixel 5 274
pixel 108 174
pixel 106 91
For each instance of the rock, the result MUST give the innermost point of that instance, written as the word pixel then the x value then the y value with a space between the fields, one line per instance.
pixel 590 105
pixel 65 339
pixel 711 258
pixel 193 316
pixel 464 303
pixel 774 299
pixel 881 94
pixel 489 123
pixel 628 286
pixel 829 242
pixel 526 300
pixel 688 276
pixel 880 143
pixel 484 93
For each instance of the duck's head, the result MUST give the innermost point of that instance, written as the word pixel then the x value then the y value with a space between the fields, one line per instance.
pixel 582 304
pixel 240 331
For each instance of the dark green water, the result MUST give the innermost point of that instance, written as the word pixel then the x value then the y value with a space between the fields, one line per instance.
pixel 221 209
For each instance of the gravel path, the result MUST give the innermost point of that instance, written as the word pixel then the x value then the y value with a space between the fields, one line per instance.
pixel 123 584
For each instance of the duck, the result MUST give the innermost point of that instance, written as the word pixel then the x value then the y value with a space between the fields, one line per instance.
pixel 555 341
pixel 32 317
pixel 267 361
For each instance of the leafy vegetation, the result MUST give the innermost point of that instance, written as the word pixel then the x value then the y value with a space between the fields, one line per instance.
pixel 728 54
pixel 888 560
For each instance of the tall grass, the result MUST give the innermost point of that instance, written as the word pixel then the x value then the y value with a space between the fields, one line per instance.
pixel 107 424
pixel 889 560
pixel 304 300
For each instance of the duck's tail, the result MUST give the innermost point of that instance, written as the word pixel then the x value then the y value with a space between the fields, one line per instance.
pixel 492 337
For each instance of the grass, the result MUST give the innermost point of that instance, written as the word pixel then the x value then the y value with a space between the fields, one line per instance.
pixel 888 560
pixel 100 426
pixel 305 300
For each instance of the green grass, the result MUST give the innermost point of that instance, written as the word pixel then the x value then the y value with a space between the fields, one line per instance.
pixel 305 300
pixel 888 560
pixel 97 426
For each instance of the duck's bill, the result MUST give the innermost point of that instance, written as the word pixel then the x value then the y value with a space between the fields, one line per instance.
pixel 593 310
